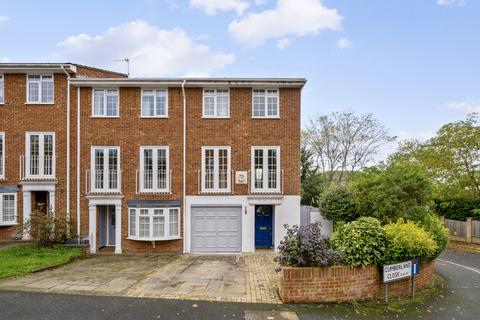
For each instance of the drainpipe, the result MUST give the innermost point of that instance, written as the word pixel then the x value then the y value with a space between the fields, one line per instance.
pixel 184 161
pixel 68 148
pixel 78 164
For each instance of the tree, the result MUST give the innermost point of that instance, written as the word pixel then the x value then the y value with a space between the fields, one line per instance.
pixel 451 158
pixel 339 205
pixel 312 188
pixel 344 142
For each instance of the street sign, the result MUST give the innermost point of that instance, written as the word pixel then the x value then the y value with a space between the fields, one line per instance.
pixel 397 271
pixel 415 267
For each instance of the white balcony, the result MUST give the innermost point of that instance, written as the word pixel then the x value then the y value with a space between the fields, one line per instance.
pixel 103 181
pixel 207 187
pixel 272 183
pixel 39 167
pixel 147 183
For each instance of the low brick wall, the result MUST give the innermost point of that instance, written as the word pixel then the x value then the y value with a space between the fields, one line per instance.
pixel 343 284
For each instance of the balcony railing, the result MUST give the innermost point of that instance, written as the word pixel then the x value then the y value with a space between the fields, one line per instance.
pixel 215 191
pixel 40 167
pixel 103 181
pixel 273 185
pixel 146 184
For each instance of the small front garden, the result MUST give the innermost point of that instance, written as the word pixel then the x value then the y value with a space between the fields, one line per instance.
pixel 20 260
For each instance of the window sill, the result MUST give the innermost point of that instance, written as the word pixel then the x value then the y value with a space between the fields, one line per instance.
pixel 155 192
pixel 216 191
pixel 154 239
pixel 8 224
pixel 154 117
pixel 215 117
pixel 266 118
pixel 104 117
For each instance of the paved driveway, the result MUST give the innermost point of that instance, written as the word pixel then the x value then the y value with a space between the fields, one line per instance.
pixel 245 278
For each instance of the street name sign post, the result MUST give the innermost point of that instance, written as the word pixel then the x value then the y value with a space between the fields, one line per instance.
pixel 399 271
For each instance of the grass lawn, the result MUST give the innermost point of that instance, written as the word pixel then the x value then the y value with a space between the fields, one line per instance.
pixel 20 260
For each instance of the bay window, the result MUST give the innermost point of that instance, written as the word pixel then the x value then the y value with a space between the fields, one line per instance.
pixel 154 224
pixel 105 103
pixel 40 155
pixel 216 169
pixel 40 89
pixel 216 103
pixel 265 103
pixel 105 169
pixel 154 169
pixel 265 169
pixel 8 208
pixel 155 103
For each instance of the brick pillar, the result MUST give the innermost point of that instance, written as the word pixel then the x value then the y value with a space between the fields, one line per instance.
pixel 468 235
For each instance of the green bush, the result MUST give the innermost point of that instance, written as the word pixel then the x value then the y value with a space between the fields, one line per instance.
pixel 458 208
pixel 406 241
pixel 362 241
pixel 437 231
pixel 339 205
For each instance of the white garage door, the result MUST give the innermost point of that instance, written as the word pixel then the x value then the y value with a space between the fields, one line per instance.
pixel 216 229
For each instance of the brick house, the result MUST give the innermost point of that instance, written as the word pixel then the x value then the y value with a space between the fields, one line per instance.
pixel 150 165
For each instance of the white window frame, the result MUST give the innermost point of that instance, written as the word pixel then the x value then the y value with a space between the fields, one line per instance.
pixel 106 165
pixel 266 95
pixel 154 103
pixel 104 114
pixel 2 157
pixel 154 189
pixel 215 95
pixel 2 89
pixel 166 224
pixel 8 223
pixel 39 82
pixel 41 152
pixel 216 173
pixel 265 188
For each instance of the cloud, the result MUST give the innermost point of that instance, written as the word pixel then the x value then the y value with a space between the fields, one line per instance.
pixel 152 51
pixel 283 43
pixel 449 3
pixel 344 43
pixel 465 106
pixel 212 7
pixel 4 19
pixel 289 17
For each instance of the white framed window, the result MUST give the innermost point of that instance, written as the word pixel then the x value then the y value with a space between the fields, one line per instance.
pixel 105 169
pixel 154 103
pixel 40 89
pixel 265 103
pixel 216 169
pixel 40 155
pixel 105 103
pixel 154 169
pixel 2 86
pixel 153 224
pixel 8 208
pixel 265 174
pixel 2 155
pixel 216 103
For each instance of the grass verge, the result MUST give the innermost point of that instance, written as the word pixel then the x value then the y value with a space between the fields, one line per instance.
pixel 20 260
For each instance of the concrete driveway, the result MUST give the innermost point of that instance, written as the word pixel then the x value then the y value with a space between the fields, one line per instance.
pixel 243 278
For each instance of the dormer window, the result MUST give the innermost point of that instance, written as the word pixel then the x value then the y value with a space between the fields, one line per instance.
pixel 40 89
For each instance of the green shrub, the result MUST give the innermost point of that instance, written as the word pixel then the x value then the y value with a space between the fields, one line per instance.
pixel 339 205
pixel 362 241
pixel 437 231
pixel 458 208
pixel 406 241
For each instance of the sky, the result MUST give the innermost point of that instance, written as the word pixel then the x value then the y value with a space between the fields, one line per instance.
pixel 414 64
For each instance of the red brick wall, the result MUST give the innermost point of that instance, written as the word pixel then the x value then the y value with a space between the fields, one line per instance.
pixel 344 284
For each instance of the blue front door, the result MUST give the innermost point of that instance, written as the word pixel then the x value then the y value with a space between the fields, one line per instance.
pixel 263 226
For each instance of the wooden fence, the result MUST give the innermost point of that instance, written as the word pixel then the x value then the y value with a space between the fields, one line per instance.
pixel 464 231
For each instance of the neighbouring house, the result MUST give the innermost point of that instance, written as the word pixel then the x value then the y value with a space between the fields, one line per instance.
pixel 193 165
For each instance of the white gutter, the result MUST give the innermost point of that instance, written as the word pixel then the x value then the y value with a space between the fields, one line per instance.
pixel 68 148
pixel 78 164
pixel 184 161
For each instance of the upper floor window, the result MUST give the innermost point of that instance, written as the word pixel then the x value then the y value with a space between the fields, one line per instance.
pixel 40 155
pixel 2 155
pixel 40 89
pixel 216 103
pixel 105 103
pixel 154 169
pixel 8 208
pixel 105 168
pixel 266 169
pixel 155 103
pixel 265 103
pixel 1 89
pixel 216 169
